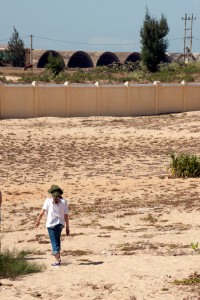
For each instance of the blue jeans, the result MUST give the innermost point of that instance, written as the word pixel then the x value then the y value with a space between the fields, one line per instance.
pixel 54 234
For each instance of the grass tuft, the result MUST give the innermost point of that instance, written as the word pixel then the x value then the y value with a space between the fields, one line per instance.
pixel 184 165
pixel 14 263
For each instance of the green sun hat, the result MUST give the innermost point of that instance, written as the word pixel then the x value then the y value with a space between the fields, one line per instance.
pixel 55 190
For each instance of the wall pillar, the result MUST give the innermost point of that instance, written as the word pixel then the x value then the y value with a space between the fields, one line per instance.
pixel 184 83
pixel 128 98
pixel 36 98
pixel 158 95
pixel 1 100
pixel 67 102
pixel 98 99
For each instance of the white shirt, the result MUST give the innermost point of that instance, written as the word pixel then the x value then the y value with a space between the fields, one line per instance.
pixel 55 212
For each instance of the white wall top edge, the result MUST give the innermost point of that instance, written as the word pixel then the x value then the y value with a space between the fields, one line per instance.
pixel 143 85
pixel 172 84
pixel 51 85
pixel 18 85
pixel 194 84
pixel 113 85
pixel 103 85
pixel 82 85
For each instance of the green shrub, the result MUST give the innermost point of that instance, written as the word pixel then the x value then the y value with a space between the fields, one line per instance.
pixel 13 264
pixel 55 64
pixel 184 165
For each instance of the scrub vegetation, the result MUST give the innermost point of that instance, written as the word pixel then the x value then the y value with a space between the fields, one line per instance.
pixel 115 74
pixel 14 263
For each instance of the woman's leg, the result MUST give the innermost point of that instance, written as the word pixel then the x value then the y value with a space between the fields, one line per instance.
pixel 59 228
pixel 53 239
pixel 54 234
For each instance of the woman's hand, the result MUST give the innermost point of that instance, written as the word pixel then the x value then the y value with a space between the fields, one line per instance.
pixel 67 231
pixel 67 224
pixel 37 224
pixel 40 217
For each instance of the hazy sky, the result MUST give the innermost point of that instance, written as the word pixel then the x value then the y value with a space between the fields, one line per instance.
pixel 94 22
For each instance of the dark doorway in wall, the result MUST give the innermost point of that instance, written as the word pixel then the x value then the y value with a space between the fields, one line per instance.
pixel 80 59
pixel 133 57
pixel 44 58
pixel 107 58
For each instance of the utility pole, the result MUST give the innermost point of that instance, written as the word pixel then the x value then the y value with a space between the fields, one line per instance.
pixel 31 54
pixel 191 33
pixel 186 36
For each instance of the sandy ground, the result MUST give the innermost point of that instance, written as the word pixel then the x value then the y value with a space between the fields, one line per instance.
pixel 131 223
pixel 13 78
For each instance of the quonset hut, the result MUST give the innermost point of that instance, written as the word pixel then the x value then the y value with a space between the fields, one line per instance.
pixel 89 59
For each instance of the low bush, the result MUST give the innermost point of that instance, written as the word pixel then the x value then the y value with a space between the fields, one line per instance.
pixel 55 64
pixel 14 263
pixel 184 165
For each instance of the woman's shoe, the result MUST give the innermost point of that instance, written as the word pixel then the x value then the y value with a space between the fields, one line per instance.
pixel 57 265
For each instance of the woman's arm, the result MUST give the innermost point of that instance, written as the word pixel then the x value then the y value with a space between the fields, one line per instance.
pixel 67 224
pixel 40 217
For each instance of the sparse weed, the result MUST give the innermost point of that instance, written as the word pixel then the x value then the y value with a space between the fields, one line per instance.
pixel 136 246
pixel 110 227
pixel 193 279
pixel 75 252
pixel 150 219
pixel 164 289
pixel 195 246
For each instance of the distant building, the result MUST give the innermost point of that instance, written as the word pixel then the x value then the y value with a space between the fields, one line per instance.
pixel 3 46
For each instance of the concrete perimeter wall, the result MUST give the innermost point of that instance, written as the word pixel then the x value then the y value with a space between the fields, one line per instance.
pixel 74 100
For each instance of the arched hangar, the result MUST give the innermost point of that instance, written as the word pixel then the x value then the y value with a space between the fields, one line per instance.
pixel 81 59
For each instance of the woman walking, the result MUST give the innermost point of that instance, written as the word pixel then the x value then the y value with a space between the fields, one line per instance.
pixel 57 215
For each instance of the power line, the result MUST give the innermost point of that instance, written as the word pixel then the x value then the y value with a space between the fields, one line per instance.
pixel 79 43
pixel 94 44
pixel 175 39
pixel 91 44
